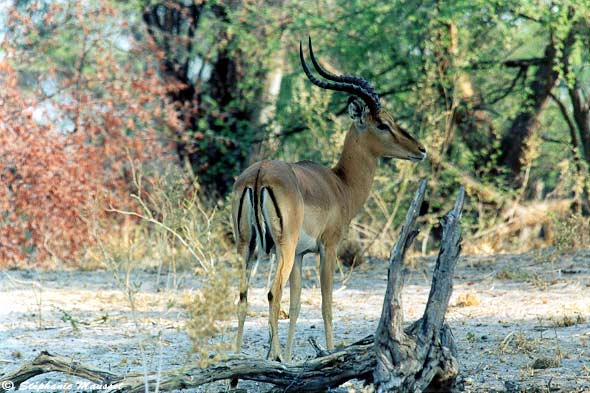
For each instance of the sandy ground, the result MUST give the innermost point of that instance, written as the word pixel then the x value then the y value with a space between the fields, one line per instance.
pixel 521 321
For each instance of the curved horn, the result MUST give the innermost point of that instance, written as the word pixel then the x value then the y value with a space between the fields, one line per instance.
pixel 351 84
pixel 356 80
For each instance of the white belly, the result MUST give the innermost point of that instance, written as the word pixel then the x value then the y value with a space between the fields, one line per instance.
pixel 306 243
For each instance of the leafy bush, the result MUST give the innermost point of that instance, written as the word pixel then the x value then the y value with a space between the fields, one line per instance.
pixel 75 110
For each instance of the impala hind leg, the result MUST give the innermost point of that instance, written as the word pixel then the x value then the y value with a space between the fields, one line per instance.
pixel 327 267
pixel 243 302
pixel 246 243
pixel 294 301
pixel 284 231
pixel 245 272
pixel 285 260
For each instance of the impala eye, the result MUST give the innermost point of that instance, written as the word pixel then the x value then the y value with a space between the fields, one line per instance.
pixel 383 127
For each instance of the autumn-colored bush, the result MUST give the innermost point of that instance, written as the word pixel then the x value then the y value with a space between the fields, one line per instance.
pixel 80 100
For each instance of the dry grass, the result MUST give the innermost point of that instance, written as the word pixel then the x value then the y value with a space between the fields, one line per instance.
pixel 546 362
pixel 208 308
pixel 173 233
pixel 516 342
pixel 571 232
pixel 467 299
pixel 567 320
pixel 512 275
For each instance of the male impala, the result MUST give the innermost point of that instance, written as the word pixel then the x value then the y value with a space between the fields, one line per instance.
pixel 295 209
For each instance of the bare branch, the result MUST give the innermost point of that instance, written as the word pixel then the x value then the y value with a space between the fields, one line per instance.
pixel 201 259
pixel 568 120
pixel 391 323
pixel 442 280
pixel 423 355
pixel 354 361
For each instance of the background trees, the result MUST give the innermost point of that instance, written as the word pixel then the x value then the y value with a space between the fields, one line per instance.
pixel 497 91
pixel 77 112
pixel 216 56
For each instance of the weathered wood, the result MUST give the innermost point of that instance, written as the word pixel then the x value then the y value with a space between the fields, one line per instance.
pixel 46 363
pixel 315 375
pixel 421 357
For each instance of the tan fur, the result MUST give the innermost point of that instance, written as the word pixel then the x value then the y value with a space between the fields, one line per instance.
pixel 314 199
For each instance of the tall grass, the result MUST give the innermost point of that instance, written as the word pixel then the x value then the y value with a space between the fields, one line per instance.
pixel 173 232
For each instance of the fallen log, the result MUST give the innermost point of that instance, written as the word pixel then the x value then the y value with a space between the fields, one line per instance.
pixel 418 358
pixel 333 369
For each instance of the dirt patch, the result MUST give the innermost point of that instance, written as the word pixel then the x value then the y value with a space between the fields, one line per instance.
pixel 521 321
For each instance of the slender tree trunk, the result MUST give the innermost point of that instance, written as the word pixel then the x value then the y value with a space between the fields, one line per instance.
pixel 581 112
pixel 526 123
pixel 218 115
pixel 270 95
pixel 463 100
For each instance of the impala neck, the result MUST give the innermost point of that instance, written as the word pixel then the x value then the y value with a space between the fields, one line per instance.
pixel 356 168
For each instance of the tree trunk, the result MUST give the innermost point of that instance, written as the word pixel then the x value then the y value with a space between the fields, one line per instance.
pixel 472 123
pixel 514 142
pixel 264 117
pixel 422 356
pixel 581 111
pixel 217 120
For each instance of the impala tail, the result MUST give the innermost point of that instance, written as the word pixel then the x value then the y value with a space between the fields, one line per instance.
pixel 259 219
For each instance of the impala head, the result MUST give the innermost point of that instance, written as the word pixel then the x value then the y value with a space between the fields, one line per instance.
pixel 375 127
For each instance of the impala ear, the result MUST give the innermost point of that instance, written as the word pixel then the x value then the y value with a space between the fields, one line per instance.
pixel 358 112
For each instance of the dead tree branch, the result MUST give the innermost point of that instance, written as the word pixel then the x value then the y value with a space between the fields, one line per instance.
pixel 315 375
pixel 423 355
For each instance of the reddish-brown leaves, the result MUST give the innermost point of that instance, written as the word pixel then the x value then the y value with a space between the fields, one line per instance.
pixel 56 164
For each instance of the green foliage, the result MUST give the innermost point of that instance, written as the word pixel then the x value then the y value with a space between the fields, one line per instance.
pixel 429 77
pixel 455 74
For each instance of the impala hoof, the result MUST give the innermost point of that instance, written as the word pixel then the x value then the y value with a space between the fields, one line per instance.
pixel 275 356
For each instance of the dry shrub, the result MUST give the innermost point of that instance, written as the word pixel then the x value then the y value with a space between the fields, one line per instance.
pixel 567 320
pixel 467 299
pixel 173 230
pixel 209 307
pixel 546 362
pixel 512 274
pixel 571 232
pixel 350 253
pixel 516 342
pixel 72 115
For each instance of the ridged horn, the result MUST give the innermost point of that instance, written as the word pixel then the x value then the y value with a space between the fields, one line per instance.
pixel 356 80
pixel 355 85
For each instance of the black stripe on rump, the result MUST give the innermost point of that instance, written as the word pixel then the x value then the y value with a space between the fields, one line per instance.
pixel 240 210
pixel 274 202
pixel 269 239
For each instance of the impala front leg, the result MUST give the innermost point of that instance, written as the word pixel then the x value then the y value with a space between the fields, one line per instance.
pixel 327 266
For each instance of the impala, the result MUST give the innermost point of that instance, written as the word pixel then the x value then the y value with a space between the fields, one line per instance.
pixel 294 209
